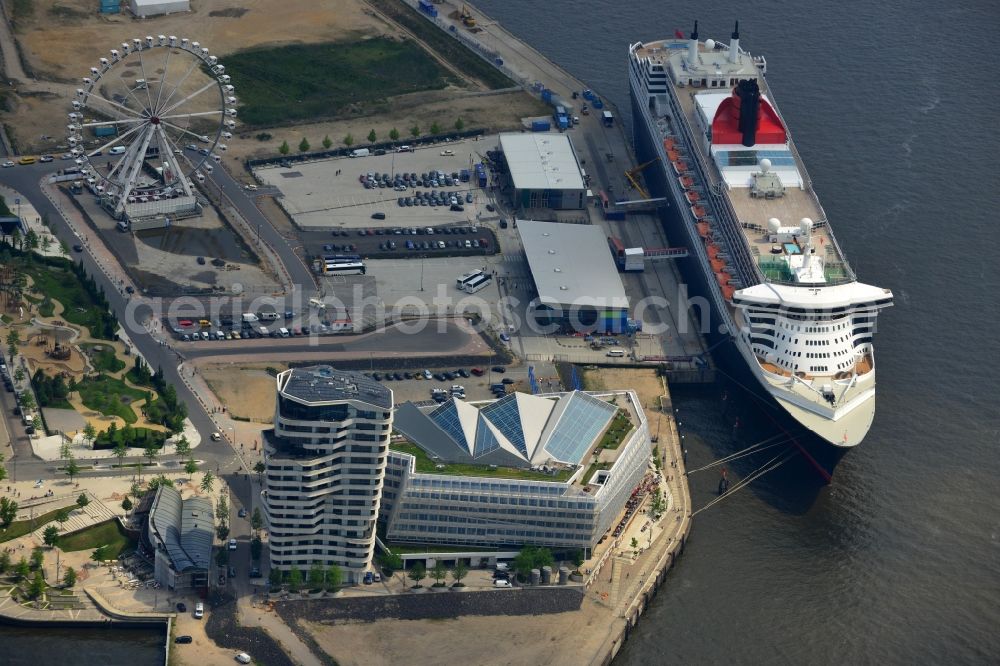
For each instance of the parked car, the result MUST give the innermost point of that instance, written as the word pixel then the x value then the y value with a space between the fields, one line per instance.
pixel 183 640
pixel 502 583
pixel 232 544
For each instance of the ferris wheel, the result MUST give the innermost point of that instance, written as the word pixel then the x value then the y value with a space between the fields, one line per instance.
pixel 161 107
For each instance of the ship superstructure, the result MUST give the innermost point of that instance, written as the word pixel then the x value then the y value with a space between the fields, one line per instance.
pixel 771 264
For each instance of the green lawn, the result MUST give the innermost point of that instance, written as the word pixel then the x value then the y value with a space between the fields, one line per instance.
pixel 304 82
pixel 428 466
pixel 108 533
pixel 620 426
pixel 104 394
pixel 19 528
pixel 104 360
pixel 62 285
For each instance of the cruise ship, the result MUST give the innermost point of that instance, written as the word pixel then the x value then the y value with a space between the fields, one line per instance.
pixel 761 247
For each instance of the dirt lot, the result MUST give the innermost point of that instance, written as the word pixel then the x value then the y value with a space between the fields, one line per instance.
pixel 564 638
pixel 246 390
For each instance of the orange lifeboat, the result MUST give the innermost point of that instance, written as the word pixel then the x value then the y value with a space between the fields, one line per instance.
pixel 728 291
pixel 669 143
pixel 717 264
pixel 713 251
pixel 723 279
pixel 698 212
pixel 680 167
pixel 686 182
pixel 704 230
pixel 673 155
pixel 692 196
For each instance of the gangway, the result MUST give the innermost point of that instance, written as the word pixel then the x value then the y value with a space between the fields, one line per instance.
pixel 638 205
pixel 662 253
pixel 633 177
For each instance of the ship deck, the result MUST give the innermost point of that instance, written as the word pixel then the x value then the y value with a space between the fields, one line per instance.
pixel 754 212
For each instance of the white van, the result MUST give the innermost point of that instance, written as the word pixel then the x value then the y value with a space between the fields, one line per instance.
pixel 283 332
pixel 268 316
pixel 199 610
pixel 117 150
pixel 616 353
pixel 249 317
pixel 361 152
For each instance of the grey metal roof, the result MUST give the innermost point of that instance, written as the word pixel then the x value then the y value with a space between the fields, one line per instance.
pixel 323 383
pixel 541 161
pixel 184 528
pixel 571 264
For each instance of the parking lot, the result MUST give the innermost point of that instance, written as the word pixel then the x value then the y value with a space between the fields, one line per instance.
pixel 460 382
pixel 396 241
pixel 344 193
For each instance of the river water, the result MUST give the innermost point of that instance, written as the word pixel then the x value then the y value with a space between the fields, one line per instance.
pixel 892 107
pixel 81 646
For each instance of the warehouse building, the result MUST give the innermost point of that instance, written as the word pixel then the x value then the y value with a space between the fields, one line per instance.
pixel 578 285
pixel 515 471
pixel 147 8
pixel 540 170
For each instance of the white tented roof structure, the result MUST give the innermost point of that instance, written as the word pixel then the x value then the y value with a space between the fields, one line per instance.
pixel 572 265
pixel 532 429
pixel 144 8
pixel 541 161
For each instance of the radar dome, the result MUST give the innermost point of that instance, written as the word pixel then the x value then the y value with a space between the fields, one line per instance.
pixel 774 224
pixel 765 165
pixel 710 44
pixel 805 226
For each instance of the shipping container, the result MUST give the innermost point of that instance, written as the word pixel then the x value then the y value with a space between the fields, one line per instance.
pixel 427 7
pixel 546 95
pixel 540 126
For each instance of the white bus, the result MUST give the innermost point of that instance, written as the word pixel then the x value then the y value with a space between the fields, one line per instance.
pixel 616 353
pixel 344 268
pixel 477 284
pixel 467 278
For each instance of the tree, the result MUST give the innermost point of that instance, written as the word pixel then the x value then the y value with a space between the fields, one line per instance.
pixel 31 239
pixel 577 557
pixel 127 504
pixel 334 578
pixel 4 561
pixel 417 573
pixel 435 128
pixel 222 557
pixel 260 468
pixel 415 131
pixel 530 558
pixel 72 469
pixel 284 148
pixel 62 515
pixel 459 124
pixel 23 569
pixel 294 579
pixel 3 469
pixel 327 142
pixel 8 511
pixel 37 558
pixel 37 588
pixel 51 536
pixel 120 452
pixel 276 577
pixel 19 375
pixel 222 531
pixel 392 562
pixel 635 546
pixel 151 452
pixel 46 242
pixel 182 447
pixel 303 145
pixel 82 500
pixel 207 481
pixel 101 554
pixel 69 580
pixel 438 573
pixel 89 433
pixel 256 520
pixel 222 509
pixel 136 490
pixel 36 423
pixel 13 340
pixel 459 571
pixel 190 466
pixel 348 140
pixel 372 136
pixel 394 134
pixel 160 480
pixel 256 548
pixel 316 576
pixel 28 402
